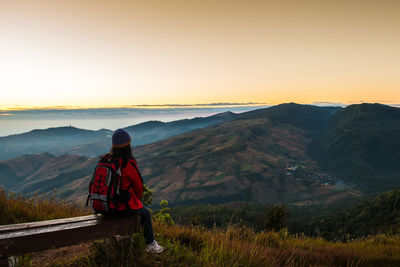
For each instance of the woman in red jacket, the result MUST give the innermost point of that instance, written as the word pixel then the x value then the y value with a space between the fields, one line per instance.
pixel 132 182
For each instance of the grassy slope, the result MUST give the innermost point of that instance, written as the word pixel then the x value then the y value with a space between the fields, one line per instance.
pixel 234 246
pixel 238 246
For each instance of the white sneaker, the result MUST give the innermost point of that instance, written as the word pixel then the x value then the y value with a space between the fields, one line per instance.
pixel 154 247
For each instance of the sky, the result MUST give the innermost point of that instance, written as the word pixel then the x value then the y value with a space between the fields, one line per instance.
pixel 121 53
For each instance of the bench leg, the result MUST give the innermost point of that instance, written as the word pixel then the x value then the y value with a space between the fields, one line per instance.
pixel 4 262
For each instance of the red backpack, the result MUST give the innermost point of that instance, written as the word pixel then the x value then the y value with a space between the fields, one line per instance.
pixel 104 188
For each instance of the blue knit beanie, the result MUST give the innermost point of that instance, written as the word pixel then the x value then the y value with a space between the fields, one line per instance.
pixel 120 138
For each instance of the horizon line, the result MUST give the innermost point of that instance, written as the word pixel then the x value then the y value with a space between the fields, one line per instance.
pixel 141 106
pixel 200 105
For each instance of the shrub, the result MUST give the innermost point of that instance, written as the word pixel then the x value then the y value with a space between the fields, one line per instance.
pixel 163 216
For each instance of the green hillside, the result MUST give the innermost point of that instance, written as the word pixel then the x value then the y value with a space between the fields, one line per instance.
pixel 362 145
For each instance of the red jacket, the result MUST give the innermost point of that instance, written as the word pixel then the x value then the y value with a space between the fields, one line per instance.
pixel 130 178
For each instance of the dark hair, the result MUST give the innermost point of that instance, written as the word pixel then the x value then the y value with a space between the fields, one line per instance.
pixel 124 153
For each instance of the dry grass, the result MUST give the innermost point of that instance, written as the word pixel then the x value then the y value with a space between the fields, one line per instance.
pixel 197 246
pixel 235 246
pixel 16 208
pixel 241 246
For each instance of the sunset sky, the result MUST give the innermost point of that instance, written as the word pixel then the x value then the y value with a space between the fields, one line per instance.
pixel 119 53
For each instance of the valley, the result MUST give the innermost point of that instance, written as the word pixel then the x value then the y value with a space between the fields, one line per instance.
pixel 294 154
pixel 262 156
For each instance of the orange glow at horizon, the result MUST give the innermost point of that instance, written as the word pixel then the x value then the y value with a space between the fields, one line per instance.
pixel 88 54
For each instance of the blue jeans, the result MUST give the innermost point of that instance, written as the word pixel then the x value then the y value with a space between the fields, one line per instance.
pixel 146 224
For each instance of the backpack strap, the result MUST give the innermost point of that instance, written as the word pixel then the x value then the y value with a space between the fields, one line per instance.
pixel 137 169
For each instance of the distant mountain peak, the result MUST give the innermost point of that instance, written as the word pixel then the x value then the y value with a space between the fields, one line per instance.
pixel 61 129
pixel 371 106
pixel 304 116
pixel 224 114
pixel 373 112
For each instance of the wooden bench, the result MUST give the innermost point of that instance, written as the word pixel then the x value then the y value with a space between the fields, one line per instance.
pixel 22 238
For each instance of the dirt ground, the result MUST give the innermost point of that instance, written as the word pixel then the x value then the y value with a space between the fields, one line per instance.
pixel 65 255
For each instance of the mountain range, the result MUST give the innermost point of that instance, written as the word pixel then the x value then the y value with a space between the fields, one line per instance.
pixel 290 153
pixel 74 141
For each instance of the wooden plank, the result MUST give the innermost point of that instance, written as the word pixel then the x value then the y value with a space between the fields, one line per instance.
pixel 43 238
pixel 17 226
pixel 40 230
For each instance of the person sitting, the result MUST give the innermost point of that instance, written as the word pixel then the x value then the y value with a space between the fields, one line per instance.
pixel 132 182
